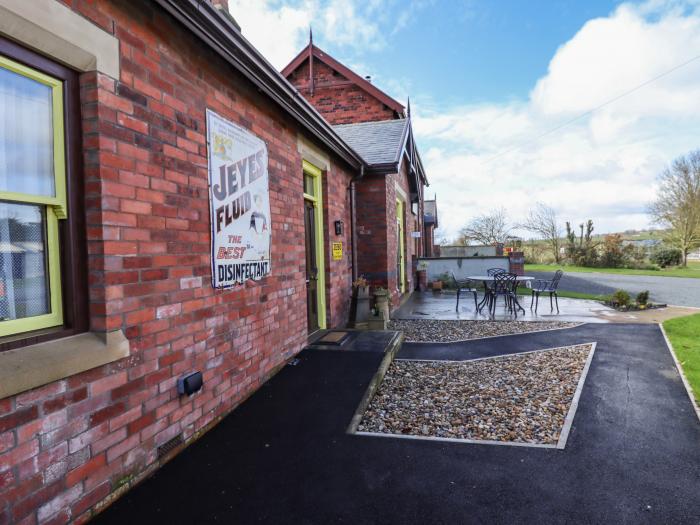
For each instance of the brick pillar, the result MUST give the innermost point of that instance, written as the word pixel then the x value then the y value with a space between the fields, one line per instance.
pixel 516 261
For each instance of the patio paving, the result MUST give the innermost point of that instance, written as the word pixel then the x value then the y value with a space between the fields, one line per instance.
pixel 432 305
pixel 632 456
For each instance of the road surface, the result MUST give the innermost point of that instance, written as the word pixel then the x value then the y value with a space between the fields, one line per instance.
pixel 678 291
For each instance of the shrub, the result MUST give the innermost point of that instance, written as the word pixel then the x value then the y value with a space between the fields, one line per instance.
pixel 667 257
pixel 620 298
pixel 613 254
pixel 643 297
pixel 446 280
pixel 360 282
pixel 637 256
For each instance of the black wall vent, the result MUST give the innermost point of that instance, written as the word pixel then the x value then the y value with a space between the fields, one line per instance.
pixel 170 445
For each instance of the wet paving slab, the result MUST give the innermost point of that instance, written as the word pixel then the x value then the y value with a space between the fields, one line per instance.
pixel 442 305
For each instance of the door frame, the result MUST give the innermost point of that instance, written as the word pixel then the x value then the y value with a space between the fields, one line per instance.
pixel 401 226
pixel 317 200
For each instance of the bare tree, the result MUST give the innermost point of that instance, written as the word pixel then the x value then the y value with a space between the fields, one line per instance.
pixel 677 204
pixel 542 221
pixel 489 228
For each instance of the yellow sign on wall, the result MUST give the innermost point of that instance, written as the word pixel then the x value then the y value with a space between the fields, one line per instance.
pixel 337 251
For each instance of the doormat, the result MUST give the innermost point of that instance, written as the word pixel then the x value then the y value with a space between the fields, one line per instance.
pixel 334 338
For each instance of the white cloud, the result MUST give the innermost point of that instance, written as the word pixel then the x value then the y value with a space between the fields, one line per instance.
pixel 281 29
pixel 278 31
pixel 602 166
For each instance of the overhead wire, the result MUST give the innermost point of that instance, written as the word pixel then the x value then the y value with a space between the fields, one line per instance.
pixel 591 111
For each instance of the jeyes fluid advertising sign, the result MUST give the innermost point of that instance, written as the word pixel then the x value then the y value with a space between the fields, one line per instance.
pixel 239 202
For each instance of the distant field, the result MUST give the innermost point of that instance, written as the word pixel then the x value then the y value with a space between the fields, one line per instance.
pixel 693 270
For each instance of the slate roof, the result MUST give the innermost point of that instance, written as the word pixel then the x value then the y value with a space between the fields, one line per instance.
pixel 379 142
pixel 430 212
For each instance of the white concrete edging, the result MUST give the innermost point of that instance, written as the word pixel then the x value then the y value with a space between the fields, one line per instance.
pixel 686 383
pixel 488 336
pixel 564 435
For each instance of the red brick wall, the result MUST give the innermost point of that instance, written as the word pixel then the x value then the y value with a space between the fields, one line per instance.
pixel 516 263
pixel 67 445
pixel 338 273
pixel 336 98
pixel 377 232
pixel 372 216
pixel 411 223
pixel 429 240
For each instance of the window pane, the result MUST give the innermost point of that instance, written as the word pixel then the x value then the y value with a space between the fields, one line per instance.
pixel 308 184
pixel 24 290
pixel 26 135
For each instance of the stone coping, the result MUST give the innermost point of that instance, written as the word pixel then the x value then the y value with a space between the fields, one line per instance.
pixel 32 366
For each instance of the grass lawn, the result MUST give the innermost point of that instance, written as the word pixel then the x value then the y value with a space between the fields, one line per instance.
pixel 564 293
pixel 693 270
pixel 683 333
pixel 522 290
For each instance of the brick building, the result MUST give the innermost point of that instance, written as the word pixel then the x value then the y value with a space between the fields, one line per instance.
pixel 390 195
pixel 106 292
pixel 430 224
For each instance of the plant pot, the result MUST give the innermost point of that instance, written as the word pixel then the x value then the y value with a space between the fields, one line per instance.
pixel 377 322
pixel 381 301
pixel 436 285
pixel 422 280
pixel 359 306
pixel 361 292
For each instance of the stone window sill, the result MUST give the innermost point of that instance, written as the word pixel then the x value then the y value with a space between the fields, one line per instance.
pixel 32 366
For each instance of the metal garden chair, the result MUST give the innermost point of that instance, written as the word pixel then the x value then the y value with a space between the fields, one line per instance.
pixel 504 285
pixel 465 286
pixel 540 286
pixel 487 287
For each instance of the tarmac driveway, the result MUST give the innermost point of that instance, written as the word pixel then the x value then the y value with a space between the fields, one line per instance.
pixel 633 454
pixel 678 291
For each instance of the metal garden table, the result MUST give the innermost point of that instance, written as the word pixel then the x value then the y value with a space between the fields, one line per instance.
pixel 486 279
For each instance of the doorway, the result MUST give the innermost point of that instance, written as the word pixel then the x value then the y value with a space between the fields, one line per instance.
pixel 313 228
pixel 401 248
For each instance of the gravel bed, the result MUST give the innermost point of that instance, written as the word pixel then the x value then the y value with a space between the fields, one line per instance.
pixel 519 398
pixel 444 331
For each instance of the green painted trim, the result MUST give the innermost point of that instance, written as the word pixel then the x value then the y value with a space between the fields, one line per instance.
pixel 402 245
pixel 29 198
pixel 58 202
pixel 55 207
pixel 317 174
pixel 55 317
pixel 310 169
pixel 59 153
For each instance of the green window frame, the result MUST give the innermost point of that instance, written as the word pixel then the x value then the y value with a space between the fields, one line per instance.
pixel 54 207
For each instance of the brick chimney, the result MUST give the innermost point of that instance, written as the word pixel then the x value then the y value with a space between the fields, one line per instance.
pixel 220 4
pixel 222 7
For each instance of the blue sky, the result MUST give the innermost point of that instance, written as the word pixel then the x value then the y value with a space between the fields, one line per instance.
pixel 463 51
pixel 488 81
